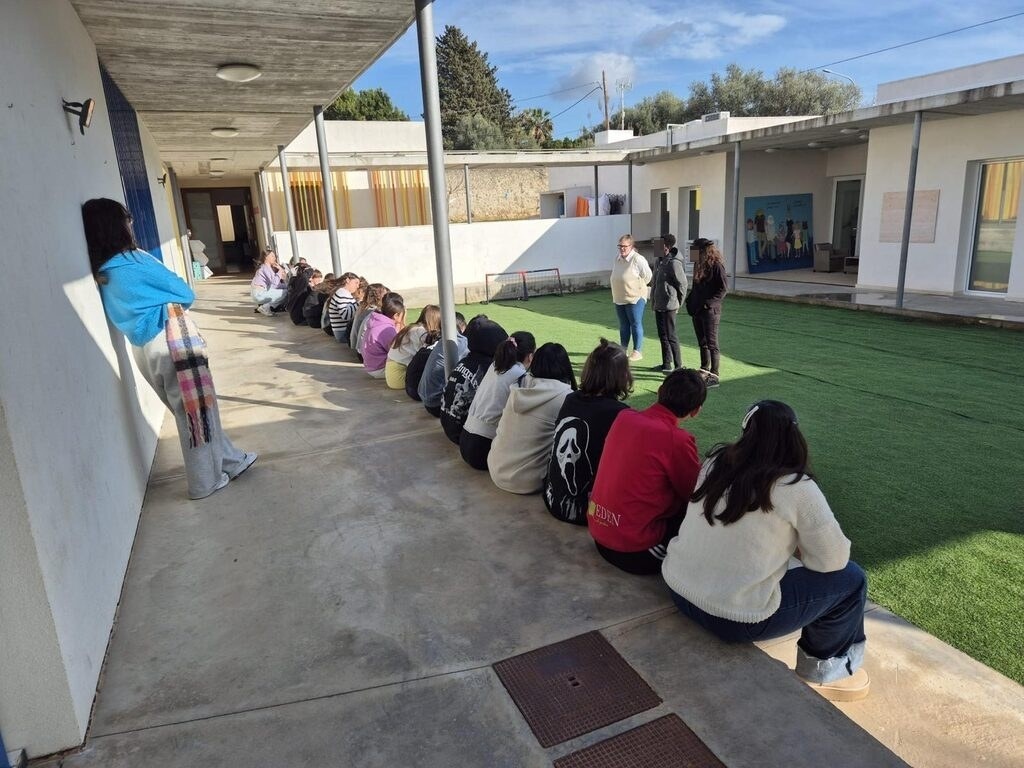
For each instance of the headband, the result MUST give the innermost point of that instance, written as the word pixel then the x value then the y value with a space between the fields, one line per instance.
pixel 754 409
pixel 513 340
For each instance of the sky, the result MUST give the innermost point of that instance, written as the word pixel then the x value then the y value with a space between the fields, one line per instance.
pixel 542 47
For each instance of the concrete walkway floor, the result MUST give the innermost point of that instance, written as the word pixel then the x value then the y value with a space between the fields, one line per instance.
pixel 341 605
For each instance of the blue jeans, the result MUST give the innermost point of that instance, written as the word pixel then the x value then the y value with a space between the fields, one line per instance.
pixel 827 607
pixel 631 322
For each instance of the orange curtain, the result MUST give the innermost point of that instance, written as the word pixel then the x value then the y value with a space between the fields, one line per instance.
pixel 400 197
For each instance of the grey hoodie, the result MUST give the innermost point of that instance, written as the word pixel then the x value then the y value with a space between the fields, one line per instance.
pixel 521 448
pixel 669 286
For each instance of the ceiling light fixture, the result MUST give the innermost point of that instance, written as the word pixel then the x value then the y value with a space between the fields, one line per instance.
pixel 218 159
pixel 707 152
pixel 224 132
pixel 863 137
pixel 849 130
pixel 238 73
pixel 813 144
pixel 216 173
pixel 769 150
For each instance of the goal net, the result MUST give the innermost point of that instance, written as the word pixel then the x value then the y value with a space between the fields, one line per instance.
pixel 522 285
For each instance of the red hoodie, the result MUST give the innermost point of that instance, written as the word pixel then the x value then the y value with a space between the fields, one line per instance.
pixel 645 478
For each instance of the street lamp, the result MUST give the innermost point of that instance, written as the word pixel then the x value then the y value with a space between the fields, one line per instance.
pixel 839 74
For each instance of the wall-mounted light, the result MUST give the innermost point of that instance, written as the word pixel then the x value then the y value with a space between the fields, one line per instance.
pixel 224 132
pixel 238 73
pixel 162 180
pixel 82 110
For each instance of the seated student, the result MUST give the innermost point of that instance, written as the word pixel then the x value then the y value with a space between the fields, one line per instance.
pixel 510 363
pixel 342 306
pixel 370 303
pixel 296 302
pixel 381 329
pixel 729 568
pixel 519 453
pixel 583 424
pixel 267 286
pixel 408 342
pixel 316 300
pixel 482 337
pixel 433 380
pixel 418 364
pixel 647 472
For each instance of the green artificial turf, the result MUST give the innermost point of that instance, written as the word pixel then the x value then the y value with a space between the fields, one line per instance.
pixel 916 432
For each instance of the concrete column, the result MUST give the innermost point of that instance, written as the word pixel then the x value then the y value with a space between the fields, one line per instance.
pixel 735 210
pixel 438 182
pixel 597 193
pixel 328 187
pixel 289 212
pixel 908 211
pixel 179 214
pixel 268 217
pixel 629 193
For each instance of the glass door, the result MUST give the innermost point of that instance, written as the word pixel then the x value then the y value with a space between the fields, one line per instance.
pixel 847 217
pixel 995 226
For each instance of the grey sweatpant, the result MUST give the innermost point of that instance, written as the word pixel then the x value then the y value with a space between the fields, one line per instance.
pixel 206 464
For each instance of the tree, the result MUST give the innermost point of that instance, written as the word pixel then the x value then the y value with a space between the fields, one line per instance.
pixel 748 93
pixel 477 132
pixel 371 104
pixel 468 86
pixel 652 113
pixel 536 124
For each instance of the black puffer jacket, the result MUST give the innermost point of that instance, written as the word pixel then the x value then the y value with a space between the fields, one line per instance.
pixel 483 337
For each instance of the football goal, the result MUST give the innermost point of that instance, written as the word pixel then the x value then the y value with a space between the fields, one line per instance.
pixel 522 285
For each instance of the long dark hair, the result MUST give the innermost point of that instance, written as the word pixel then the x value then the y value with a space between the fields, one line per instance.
pixel 606 372
pixel 108 231
pixel 770 447
pixel 429 320
pixel 514 349
pixel 551 361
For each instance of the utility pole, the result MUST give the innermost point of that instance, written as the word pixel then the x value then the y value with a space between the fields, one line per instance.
pixel 623 86
pixel 604 88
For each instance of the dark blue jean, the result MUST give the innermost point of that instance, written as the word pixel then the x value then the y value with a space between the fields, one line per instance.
pixel 631 323
pixel 827 607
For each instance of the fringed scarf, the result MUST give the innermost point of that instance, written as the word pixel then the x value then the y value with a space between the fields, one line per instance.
pixel 188 352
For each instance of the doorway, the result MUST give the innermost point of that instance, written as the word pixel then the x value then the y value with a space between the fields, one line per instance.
pixel 223 220
pixel 688 228
pixel 995 226
pixel 846 216
pixel 664 213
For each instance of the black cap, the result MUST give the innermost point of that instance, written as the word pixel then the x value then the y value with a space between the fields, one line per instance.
pixel 701 242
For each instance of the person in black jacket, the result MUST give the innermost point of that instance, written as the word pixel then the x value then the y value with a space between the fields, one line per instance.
pixel 667 292
pixel 704 305
pixel 483 336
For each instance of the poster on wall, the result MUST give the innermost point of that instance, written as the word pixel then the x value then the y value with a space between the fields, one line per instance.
pixel 779 232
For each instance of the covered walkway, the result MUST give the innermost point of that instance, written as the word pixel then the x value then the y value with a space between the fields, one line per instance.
pixel 342 604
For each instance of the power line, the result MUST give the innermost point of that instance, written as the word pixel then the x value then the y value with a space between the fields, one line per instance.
pixel 915 42
pixel 473 110
pixel 585 95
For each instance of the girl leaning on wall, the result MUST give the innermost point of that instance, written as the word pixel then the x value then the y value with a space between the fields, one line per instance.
pixel 149 304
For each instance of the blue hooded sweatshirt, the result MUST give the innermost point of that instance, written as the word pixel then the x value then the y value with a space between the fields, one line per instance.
pixel 137 292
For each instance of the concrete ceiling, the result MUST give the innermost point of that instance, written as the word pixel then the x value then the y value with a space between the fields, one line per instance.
pixel 164 56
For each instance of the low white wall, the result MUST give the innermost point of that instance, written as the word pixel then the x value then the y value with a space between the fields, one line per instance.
pixel 403 257
pixel 77 427
pixel 949 149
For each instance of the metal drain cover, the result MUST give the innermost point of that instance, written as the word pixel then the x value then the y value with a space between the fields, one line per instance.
pixel 574 687
pixel 662 743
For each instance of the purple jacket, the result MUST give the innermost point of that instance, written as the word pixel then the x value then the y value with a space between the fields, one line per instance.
pixel 380 332
pixel 266 278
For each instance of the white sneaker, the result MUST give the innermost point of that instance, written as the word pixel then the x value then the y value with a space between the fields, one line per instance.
pixel 224 480
pixel 247 461
pixel 634 355
pixel 264 309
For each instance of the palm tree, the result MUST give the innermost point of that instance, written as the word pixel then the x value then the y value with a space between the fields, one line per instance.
pixel 536 123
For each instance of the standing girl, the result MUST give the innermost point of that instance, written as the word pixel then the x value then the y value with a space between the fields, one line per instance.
pixel 756 506
pixel 630 275
pixel 704 305
pixel 149 304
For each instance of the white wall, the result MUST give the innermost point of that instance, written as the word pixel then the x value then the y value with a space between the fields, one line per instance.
pixel 361 136
pixel 948 148
pixel 76 437
pixel 403 257
pixel 978 75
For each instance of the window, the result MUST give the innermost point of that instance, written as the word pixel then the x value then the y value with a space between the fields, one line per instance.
pixel 995 225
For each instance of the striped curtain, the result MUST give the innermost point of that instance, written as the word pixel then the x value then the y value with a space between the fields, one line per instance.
pixel 1000 190
pixel 400 197
pixel 308 201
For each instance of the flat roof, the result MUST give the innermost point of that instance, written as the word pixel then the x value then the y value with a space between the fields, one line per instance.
pixel 537 158
pixel 164 56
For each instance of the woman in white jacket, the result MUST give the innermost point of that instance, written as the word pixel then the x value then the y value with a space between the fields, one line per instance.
pixel 629 279
pixel 760 554
pixel 518 457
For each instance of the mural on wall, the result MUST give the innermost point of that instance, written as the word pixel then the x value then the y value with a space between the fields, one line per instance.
pixel 779 232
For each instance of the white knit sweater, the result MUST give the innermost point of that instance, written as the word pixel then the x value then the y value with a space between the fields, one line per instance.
pixel 733 571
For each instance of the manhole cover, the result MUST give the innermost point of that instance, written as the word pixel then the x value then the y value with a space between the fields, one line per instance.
pixel 662 743
pixel 574 687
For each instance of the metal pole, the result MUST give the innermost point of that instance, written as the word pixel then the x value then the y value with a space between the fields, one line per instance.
pixel 469 205
pixel 438 182
pixel 908 212
pixel 179 215
pixel 735 209
pixel 629 194
pixel 328 185
pixel 289 213
pixel 597 194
